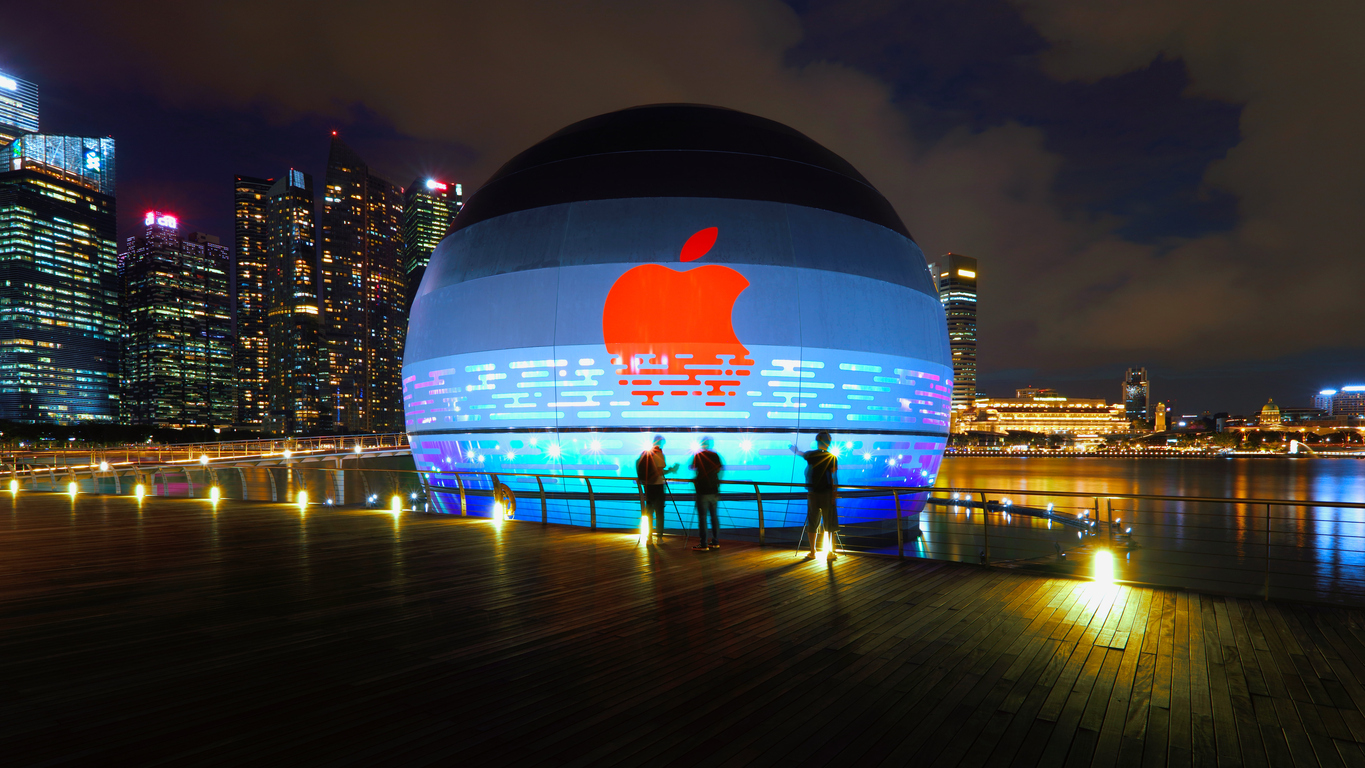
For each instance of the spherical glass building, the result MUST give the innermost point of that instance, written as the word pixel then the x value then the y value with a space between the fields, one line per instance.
pixel 684 270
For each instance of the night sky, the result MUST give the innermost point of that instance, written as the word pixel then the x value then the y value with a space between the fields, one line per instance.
pixel 1168 184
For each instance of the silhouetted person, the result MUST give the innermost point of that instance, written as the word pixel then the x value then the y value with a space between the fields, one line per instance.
pixel 650 470
pixel 707 465
pixel 822 480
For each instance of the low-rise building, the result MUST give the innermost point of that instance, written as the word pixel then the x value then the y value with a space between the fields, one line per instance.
pixel 1044 411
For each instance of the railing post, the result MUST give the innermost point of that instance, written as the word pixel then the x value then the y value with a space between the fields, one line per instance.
pixel 1109 509
pixel 544 514
pixel 460 484
pixel 1267 552
pixel 986 530
pixel 900 530
pixel 758 496
pixel 592 506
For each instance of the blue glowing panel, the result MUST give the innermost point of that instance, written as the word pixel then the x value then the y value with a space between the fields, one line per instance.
pixel 557 340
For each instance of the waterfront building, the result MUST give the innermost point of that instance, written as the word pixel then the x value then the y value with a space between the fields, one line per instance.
pixel 429 207
pixel 1046 412
pixel 1347 401
pixel 1270 414
pixel 59 307
pixel 955 276
pixel 18 108
pixel 297 372
pixel 251 210
pixel 1135 392
pixel 726 277
pixel 363 293
pixel 1323 400
pixel 177 362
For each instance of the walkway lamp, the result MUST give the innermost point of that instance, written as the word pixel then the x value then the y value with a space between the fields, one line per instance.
pixel 214 495
pixel 1104 567
pixel 303 500
pixel 13 487
pixel 71 488
pixel 396 504
pixel 139 491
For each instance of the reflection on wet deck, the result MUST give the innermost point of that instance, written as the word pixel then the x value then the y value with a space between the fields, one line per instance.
pixel 177 630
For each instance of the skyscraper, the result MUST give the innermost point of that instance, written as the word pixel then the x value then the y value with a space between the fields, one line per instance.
pixel 59 319
pixel 18 108
pixel 428 208
pixel 251 198
pixel 177 351
pixel 1135 393
pixel 296 373
pixel 956 278
pixel 364 302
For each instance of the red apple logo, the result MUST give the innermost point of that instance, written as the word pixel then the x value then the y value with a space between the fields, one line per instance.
pixel 672 330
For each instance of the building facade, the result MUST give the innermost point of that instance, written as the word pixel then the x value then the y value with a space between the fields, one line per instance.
pixel 955 276
pixel 429 207
pixel 364 294
pixel 177 362
pixel 1049 413
pixel 18 108
pixel 1135 392
pixel 251 210
pixel 59 305
pixel 296 372
pixel 1347 401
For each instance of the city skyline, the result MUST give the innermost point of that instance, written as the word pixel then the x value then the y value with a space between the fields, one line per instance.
pixel 1117 187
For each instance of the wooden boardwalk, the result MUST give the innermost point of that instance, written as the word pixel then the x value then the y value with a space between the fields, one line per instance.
pixel 257 636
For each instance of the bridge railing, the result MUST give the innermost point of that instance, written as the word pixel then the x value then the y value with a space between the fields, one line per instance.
pixel 1302 549
pixel 225 449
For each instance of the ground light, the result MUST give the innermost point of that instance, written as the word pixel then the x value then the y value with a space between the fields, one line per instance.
pixel 71 488
pixel 303 500
pixel 1104 567
pixel 829 544
pixel 396 504
pixel 644 527
pixel 13 487
pixel 498 516
pixel 214 495
pixel 139 491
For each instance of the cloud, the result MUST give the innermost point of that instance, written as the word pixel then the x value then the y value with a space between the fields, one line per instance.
pixel 1060 288
pixel 1288 276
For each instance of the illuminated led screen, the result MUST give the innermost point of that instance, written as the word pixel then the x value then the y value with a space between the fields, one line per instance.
pixel 558 340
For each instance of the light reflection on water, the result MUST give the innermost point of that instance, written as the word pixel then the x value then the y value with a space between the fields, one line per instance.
pixel 1316 552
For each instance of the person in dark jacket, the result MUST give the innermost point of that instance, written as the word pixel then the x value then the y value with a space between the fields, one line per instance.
pixel 822 481
pixel 707 465
pixel 650 469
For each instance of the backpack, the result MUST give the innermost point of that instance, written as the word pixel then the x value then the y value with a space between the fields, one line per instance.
pixel 643 466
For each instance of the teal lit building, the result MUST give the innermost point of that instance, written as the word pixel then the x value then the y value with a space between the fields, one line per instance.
pixel 177 367
pixel 59 304
pixel 429 208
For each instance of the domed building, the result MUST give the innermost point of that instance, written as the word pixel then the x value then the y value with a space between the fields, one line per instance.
pixel 1270 414
pixel 683 270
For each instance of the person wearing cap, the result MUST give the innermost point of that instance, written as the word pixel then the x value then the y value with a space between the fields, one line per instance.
pixel 650 469
pixel 707 465
pixel 822 480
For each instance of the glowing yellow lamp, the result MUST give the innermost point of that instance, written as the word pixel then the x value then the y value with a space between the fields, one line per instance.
pixel 396 504
pixel 644 527
pixel 71 488
pixel 303 500
pixel 1104 567
pixel 215 495
pixel 13 486
pixel 829 543
pixel 139 491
